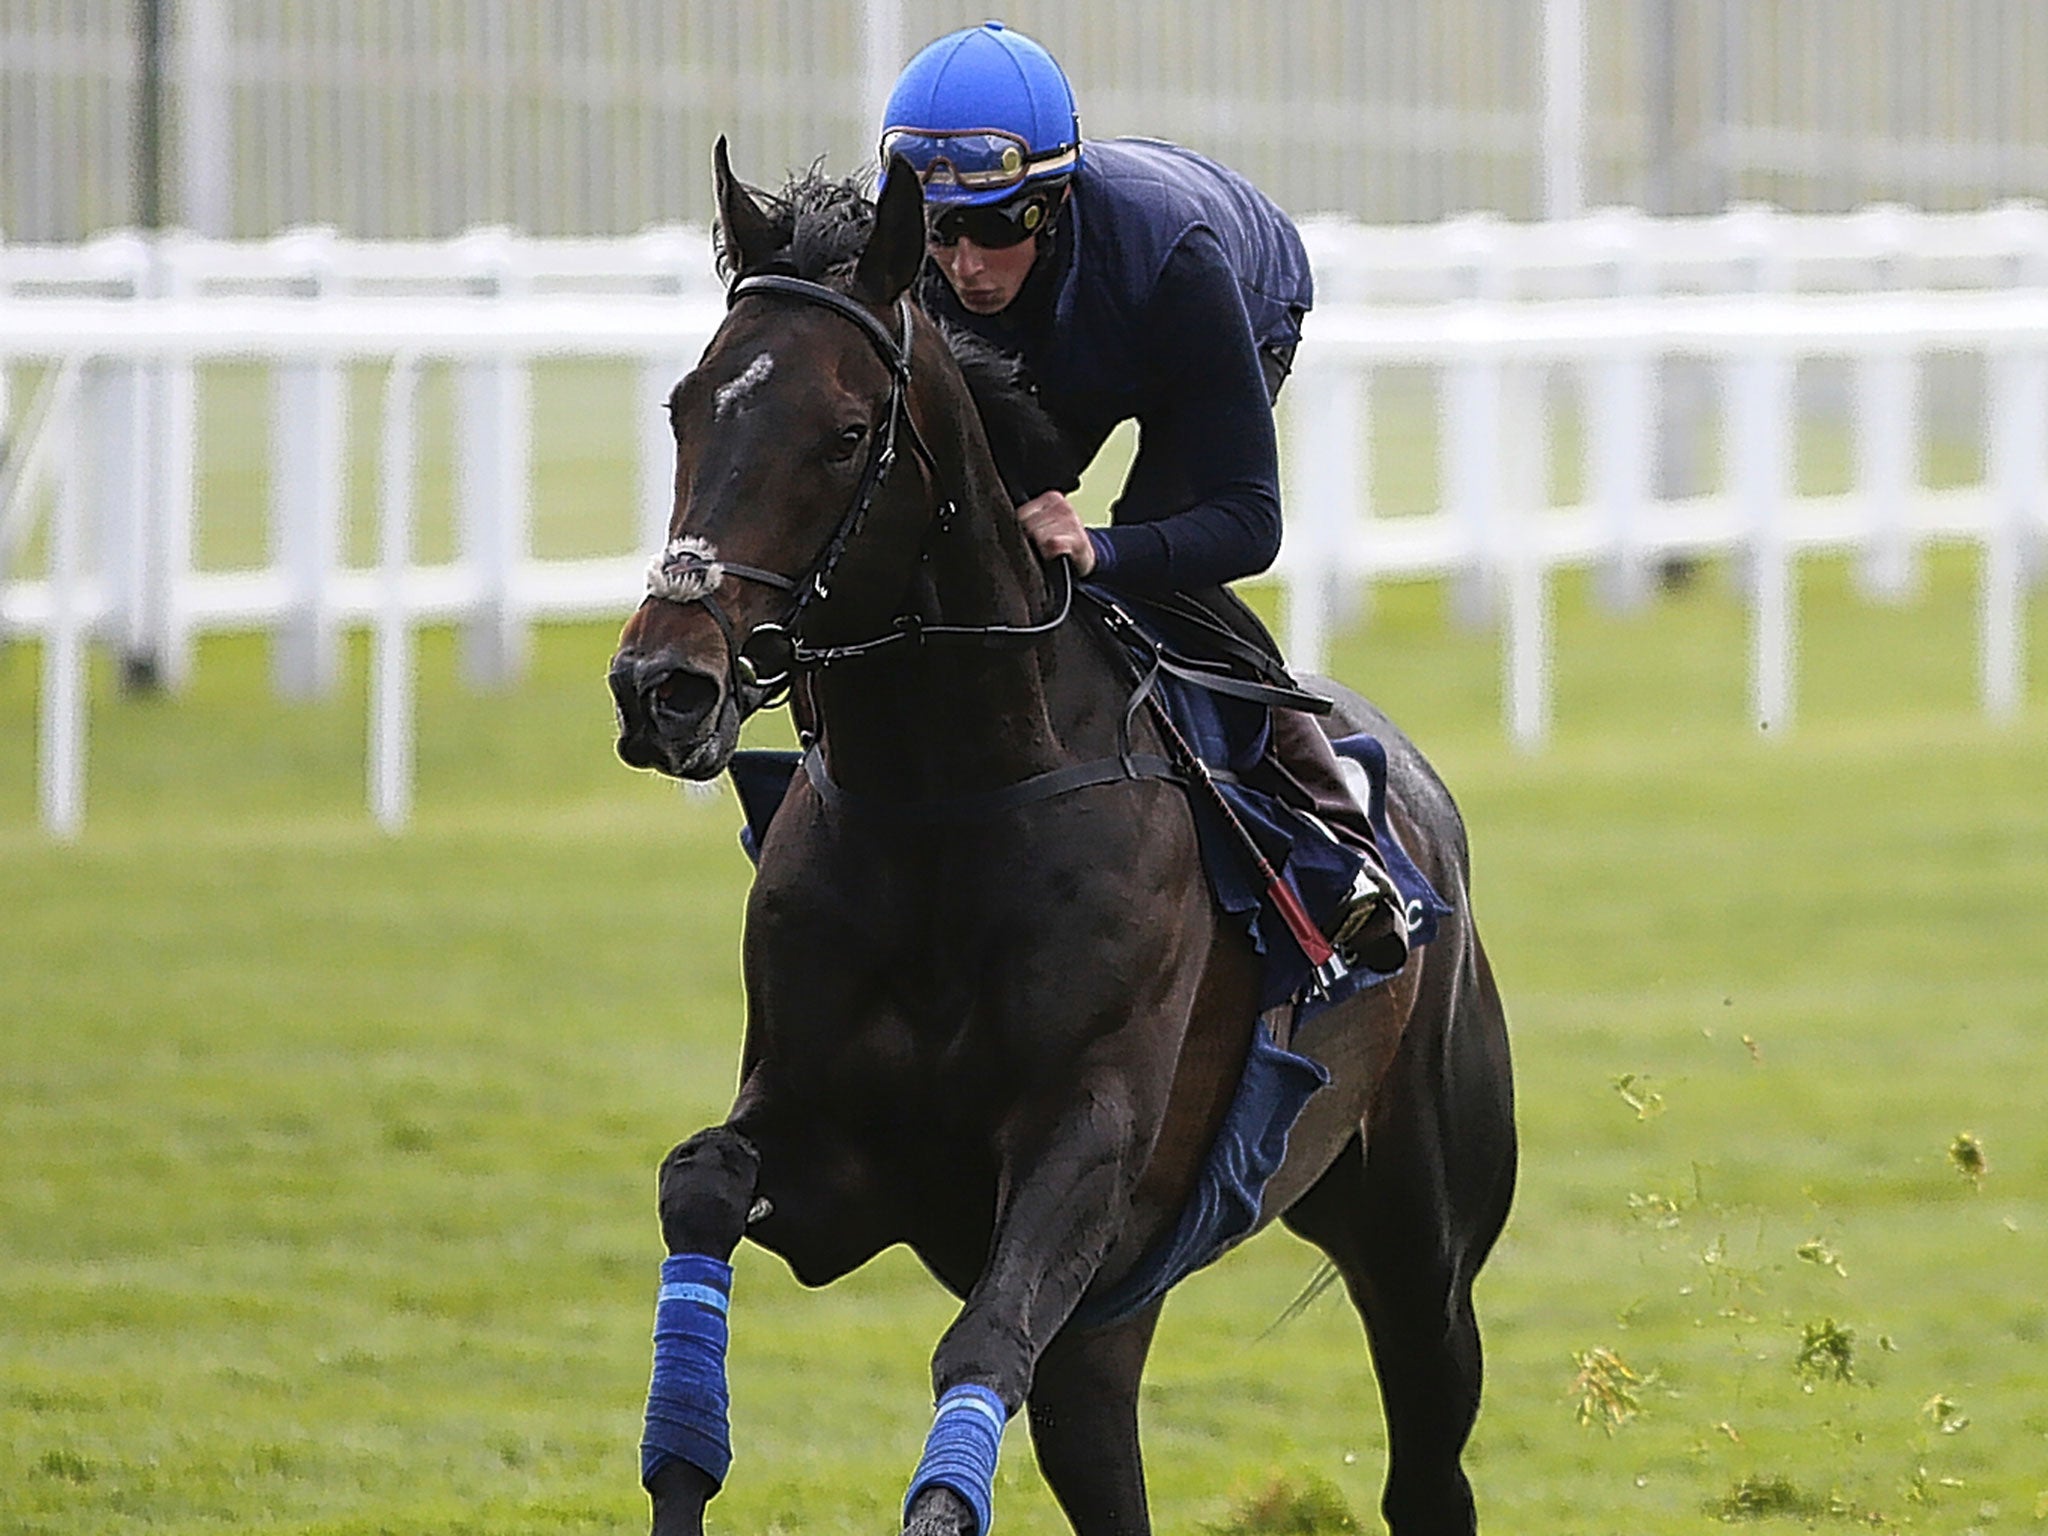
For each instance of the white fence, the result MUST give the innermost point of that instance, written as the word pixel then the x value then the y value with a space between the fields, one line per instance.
pixel 1503 324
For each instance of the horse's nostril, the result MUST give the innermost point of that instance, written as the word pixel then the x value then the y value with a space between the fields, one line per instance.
pixel 681 693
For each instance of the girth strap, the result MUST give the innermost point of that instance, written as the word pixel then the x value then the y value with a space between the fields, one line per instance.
pixel 1040 786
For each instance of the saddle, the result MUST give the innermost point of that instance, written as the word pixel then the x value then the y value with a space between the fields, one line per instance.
pixel 1211 638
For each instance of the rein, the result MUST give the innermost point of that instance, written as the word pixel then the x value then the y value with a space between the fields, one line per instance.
pixel 767 658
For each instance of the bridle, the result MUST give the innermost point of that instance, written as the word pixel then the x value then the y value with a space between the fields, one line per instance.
pixel 766 659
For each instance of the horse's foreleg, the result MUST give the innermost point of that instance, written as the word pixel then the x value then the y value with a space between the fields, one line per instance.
pixel 706 1190
pixel 1066 1195
pixel 1084 1425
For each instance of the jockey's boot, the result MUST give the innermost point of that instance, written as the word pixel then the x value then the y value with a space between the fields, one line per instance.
pixel 1372 931
pixel 1372 928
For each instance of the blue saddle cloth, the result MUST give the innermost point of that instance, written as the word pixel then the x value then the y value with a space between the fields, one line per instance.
pixel 1230 736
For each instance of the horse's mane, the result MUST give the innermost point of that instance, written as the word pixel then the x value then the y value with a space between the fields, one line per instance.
pixel 820 226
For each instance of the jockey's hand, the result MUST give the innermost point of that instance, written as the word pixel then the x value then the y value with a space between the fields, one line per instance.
pixel 1054 527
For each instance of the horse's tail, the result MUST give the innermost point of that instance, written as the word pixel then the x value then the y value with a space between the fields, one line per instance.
pixel 1326 1275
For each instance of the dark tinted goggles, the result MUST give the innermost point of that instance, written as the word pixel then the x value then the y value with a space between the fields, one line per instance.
pixel 993 226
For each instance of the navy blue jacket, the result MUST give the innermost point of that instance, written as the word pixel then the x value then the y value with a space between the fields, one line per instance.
pixel 1165 278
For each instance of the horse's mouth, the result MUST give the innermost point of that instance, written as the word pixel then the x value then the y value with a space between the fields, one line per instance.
pixel 680 722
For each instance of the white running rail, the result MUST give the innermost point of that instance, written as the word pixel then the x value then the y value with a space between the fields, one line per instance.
pixel 1493 316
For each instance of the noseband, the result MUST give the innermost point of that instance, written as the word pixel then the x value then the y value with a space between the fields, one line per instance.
pixel 769 656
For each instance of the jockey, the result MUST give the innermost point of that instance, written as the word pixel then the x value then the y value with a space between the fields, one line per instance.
pixel 1135 280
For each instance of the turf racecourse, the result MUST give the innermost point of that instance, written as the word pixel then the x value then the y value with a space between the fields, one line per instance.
pixel 326 1161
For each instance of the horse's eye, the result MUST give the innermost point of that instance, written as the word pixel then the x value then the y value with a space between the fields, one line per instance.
pixel 848 440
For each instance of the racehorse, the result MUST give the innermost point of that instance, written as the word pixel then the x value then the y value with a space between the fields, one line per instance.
pixel 992 1010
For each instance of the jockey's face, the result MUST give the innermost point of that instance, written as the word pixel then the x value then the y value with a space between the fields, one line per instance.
pixel 986 278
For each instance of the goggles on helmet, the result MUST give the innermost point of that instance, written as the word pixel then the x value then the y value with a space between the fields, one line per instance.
pixel 956 166
pixel 995 226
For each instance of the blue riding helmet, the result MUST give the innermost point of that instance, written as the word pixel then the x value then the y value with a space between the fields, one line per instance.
pixel 981 113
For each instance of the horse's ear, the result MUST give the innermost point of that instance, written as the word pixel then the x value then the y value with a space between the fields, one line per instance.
pixel 895 248
pixel 746 238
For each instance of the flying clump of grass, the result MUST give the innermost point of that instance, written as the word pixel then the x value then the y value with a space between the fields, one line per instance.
pixel 1607 1388
pixel 1925 1487
pixel 1658 1210
pixel 1817 1251
pixel 1285 1507
pixel 1944 1414
pixel 1773 1496
pixel 1638 1095
pixel 1966 1156
pixel 1827 1352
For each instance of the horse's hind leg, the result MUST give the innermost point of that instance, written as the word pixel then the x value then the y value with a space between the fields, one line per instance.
pixel 706 1190
pixel 1407 1219
pixel 1084 1425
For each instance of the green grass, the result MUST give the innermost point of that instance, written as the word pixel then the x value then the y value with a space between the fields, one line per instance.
pixel 328 1159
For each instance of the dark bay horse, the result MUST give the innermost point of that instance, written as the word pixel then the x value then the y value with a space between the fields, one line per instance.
pixel 999 1024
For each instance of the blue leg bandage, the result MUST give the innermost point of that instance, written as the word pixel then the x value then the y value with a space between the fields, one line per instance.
pixel 686 1400
pixel 960 1452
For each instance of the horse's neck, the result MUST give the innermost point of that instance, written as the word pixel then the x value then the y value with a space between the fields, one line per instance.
pixel 953 717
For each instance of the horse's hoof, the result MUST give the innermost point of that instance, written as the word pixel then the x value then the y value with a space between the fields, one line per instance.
pixel 939 1512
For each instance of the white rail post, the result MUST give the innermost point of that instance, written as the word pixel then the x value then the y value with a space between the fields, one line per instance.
pixel 2018 471
pixel 2027 226
pixel 654 441
pixel 883 53
pixel 1525 684
pixel 654 457
pixel 6 400
pixel 61 740
pixel 206 103
pixel 494 474
pixel 160 650
pixel 391 637
pixel 1887 424
pixel 127 396
pixel 1469 439
pixel 2016 455
pixel 308 475
pixel 1758 404
pixel 5 371
pixel 115 397
pixel 1326 415
pixel 1621 433
pixel 1564 108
